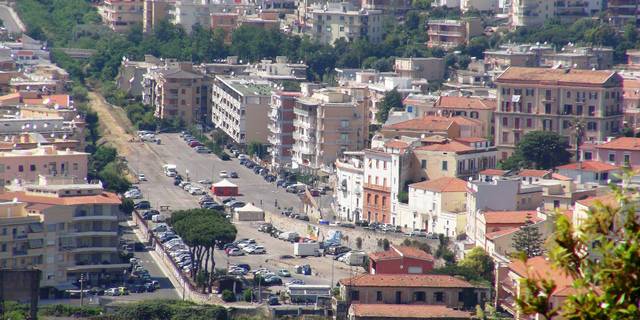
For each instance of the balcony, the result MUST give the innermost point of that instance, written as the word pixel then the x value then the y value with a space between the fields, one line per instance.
pixel 93 233
pixel 274 128
pixel 95 218
pixel 273 139
pixel 376 187
pixel 302 150
pixel 303 137
pixel 85 249
pixel 301 124
pixel 444 33
pixel 96 266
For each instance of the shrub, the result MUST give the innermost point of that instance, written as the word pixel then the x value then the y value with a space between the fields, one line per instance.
pixel 228 296
pixel 359 243
pixel 247 294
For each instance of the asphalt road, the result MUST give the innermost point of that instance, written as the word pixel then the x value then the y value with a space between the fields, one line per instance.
pixel 8 20
pixel 148 158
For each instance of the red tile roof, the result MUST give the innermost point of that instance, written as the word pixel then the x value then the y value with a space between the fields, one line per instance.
pixel 557 76
pixel 606 200
pixel 510 217
pixel 448 146
pixel 470 139
pixel 560 177
pixel 496 234
pixel 104 198
pixel 406 281
pixel 533 173
pixel 429 123
pixel 539 267
pixel 442 184
pixel 493 172
pixel 402 311
pixel 622 143
pixel 465 103
pixel 396 144
pixel 593 166
pixel 399 252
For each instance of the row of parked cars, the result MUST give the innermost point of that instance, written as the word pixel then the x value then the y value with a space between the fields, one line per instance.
pixel 192 188
pixel 174 246
pixel 244 246
pixel 192 142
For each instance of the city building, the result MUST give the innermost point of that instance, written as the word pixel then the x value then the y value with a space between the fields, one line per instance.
pixel 530 176
pixel 438 206
pixel 451 33
pixel 178 92
pixel 121 15
pixel 64 229
pixel 420 68
pixel 509 284
pixel 241 108
pixel 491 223
pixel 27 165
pixel 327 123
pixel 531 13
pixel 623 12
pixel 415 289
pixel 279 70
pixel 621 152
pixel 631 101
pixel 517 55
pixel 400 260
pixel 535 99
pixel 448 127
pixel 479 5
pixel 590 172
pixel 281 127
pixel 598 58
pixel 226 21
pixel 459 157
pixel 474 108
pixel 131 74
pixel 332 21
pixel 188 13
pixel 155 11
pixel 405 312
pixel 348 192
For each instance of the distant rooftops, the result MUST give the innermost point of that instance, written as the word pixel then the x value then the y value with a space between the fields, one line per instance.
pixel 523 74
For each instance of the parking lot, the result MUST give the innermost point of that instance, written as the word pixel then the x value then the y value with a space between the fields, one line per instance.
pixel 159 189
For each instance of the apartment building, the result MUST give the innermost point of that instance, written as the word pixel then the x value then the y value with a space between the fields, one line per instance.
pixel 423 127
pixel 155 11
pixel 241 108
pixel 327 123
pixel 621 152
pixel 451 33
pixel 27 165
pixel 420 68
pixel 534 99
pixel 498 194
pixel 438 206
pixel 414 289
pixel 531 13
pixel 474 108
pixel 509 283
pixel 405 311
pixel 281 127
pixel 279 70
pixel 348 192
pixel 121 15
pixel 460 157
pixel 623 12
pixel 400 260
pixel 598 58
pixel 590 172
pixel 332 21
pixel 131 74
pixel 178 92
pixel 188 13
pixel 480 5
pixel 631 100
pixel 62 228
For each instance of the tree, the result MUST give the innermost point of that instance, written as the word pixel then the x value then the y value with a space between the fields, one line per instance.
pixel 126 206
pixel 386 244
pixel 477 259
pixel 392 100
pixel 601 255
pixel 540 150
pixel 112 178
pixel 528 239
pixel 257 149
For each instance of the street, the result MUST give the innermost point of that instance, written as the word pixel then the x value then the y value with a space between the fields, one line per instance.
pixel 9 21
pixel 148 158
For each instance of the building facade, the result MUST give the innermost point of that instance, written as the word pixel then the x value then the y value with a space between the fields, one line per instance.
pixel 451 33
pixel 348 192
pixel 439 206
pixel 121 15
pixel 281 127
pixel 335 21
pixel 533 99
pixel 28 165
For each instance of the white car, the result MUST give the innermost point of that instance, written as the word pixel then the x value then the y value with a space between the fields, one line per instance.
pixel 187 187
pixel 224 174
pixel 196 191
pixel 205 181
pixel 255 250
pixel 246 243
pixel 243 157
pixel 142 177
pixel 235 252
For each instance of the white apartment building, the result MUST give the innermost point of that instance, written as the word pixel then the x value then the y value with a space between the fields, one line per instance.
pixel 188 13
pixel 348 189
pixel 332 21
pixel 480 5
pixel 439 206
pixel 240 108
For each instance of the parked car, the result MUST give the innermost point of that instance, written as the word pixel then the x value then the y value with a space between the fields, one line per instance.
pixel 142 177
pixel 112 292
pixel 270 178
pixel 235 252
pixel 284 273
pixel 233 175
pixel 142 205
pixel 346 225
pixel 223 174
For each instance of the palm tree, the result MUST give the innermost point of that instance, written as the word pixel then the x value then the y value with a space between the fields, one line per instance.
pixel 578 130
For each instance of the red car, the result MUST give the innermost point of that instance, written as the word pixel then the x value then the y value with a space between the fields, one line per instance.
pixel 195 144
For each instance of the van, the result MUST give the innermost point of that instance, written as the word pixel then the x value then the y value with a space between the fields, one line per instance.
pixel 289 236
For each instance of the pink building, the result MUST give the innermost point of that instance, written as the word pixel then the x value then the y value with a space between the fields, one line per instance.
pixel 619 152
pixel 27 165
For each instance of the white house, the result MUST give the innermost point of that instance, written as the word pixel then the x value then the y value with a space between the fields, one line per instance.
pixel 439 206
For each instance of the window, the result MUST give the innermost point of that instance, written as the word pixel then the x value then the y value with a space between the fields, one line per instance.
pixel 505 137
pixel 529 123
pixel 588 156
pixel 32 167
pixel 438 296
pixel 566 124
pixel 612 157
pixel 592 126
pixel 556 203
pixel 626 159
pixel 460 296
pixel 423 164
pixel 344 123
pixel 444 166
pixel 505 121
pixel 419 296
pixel 75 166
pixel 344 137
pixel 592 111
pixel 579 110
pixel 355 295
pixel 517 123
pixel 568 94
pixel 547 108
pixel 20 168
pixel 378 295
pixel 529 107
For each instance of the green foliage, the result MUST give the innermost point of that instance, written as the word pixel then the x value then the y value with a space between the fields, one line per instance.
pixel 417 244
pixel 403 196
pixel 65 310
pixel 126 206
pixel 359 243
pixel 540 150
pixel 257 149
pixel 228 296
pixel 386 245
pixel 443 250
pixel 528 240
pixel 392 101
pixel 14 311
pixel 112 178
pixel 247 295
pixel 601 255
pixel 169 310
pixel 478 260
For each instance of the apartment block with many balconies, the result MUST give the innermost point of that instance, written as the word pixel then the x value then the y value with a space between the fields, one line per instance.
pixel 327 123
pixel 121 15
pixel 451 33
pixel 62 228
pixel 622 12
pixel 334 21
pixel 27 165
pixel 281 127
pixel 241 108
pixel 534 99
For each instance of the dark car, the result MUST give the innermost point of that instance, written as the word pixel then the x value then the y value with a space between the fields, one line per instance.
pixel 346 225
pixel 334 250
pixel 237 204
pixel 303 217
pixel 149 287
pixel 214 206
pixel 227 200
pixel 270 178
pixel 142 205
pixel 233 175
pixel 244 266
pixel 273 301
pixel 138 289
pixel 362 223
pixel 257 169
